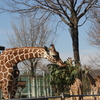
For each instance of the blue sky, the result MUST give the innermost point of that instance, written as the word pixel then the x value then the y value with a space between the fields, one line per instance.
pixel 63 43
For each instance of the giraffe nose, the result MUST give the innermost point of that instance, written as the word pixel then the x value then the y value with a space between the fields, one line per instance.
pixel 63 66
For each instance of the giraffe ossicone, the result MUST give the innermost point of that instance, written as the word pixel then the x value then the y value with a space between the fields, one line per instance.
pixel 10 57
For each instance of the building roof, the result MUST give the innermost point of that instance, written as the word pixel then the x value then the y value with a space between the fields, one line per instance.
pixel 2 47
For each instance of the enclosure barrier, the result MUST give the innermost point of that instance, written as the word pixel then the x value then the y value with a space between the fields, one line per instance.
pixel 62 97
pixel 39 98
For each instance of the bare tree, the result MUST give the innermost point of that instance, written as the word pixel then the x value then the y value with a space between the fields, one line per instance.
pixel 94 32
pixel 94 37
pixel 28 33
pixel 69 11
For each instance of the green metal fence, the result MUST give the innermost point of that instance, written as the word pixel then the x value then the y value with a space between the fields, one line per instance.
pixel 37 86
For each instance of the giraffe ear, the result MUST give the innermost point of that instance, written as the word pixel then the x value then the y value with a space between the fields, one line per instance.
pixel 46 49
pixel 52 47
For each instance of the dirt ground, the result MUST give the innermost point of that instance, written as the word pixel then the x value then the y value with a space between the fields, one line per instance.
pixel 84 98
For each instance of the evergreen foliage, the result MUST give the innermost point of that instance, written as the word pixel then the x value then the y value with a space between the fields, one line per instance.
pixel 61 78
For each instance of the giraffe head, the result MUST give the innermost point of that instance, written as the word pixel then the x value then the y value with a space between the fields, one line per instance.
pixel 70 61
pixel 53 56
pixel 87 69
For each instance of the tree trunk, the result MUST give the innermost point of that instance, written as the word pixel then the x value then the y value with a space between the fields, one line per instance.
pixel 75 44
pixel 33 67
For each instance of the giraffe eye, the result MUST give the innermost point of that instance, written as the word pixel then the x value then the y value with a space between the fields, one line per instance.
pixel 55 56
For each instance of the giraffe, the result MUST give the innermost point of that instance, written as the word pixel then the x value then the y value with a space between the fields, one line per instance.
pixel 10 57
pixel 76 87
pixel 70 61
pixel 15 74
pixel 94 84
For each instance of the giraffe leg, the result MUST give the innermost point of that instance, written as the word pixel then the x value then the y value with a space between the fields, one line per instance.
pixel 76 93
pixel 77 98
pixel 5 97
pixel 5 89
pixel 80 93
pixel 71 94
pixel 96 92
pixel 5 93
pixel 9 87
pixel 91 93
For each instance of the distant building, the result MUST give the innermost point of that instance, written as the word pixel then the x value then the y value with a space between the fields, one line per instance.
pixel 2 48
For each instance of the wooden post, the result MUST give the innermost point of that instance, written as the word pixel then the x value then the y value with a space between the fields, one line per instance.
pixel 62 96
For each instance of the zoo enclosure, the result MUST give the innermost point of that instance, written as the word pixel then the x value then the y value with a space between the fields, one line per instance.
pixel 37 86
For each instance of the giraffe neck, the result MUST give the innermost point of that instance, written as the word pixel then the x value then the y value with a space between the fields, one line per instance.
pixel 16 55
pixel 91 79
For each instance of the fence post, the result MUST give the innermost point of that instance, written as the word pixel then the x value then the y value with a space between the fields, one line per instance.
pixel 44 83
pixel 62 96
pixel 29 87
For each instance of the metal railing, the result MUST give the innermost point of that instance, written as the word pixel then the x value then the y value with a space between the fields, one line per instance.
pixel 62 97
pixel 39 98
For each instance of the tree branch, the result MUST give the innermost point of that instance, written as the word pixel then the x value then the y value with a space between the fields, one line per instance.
pixel 89 6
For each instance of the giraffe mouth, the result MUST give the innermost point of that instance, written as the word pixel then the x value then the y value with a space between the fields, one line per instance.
pixel 62 65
